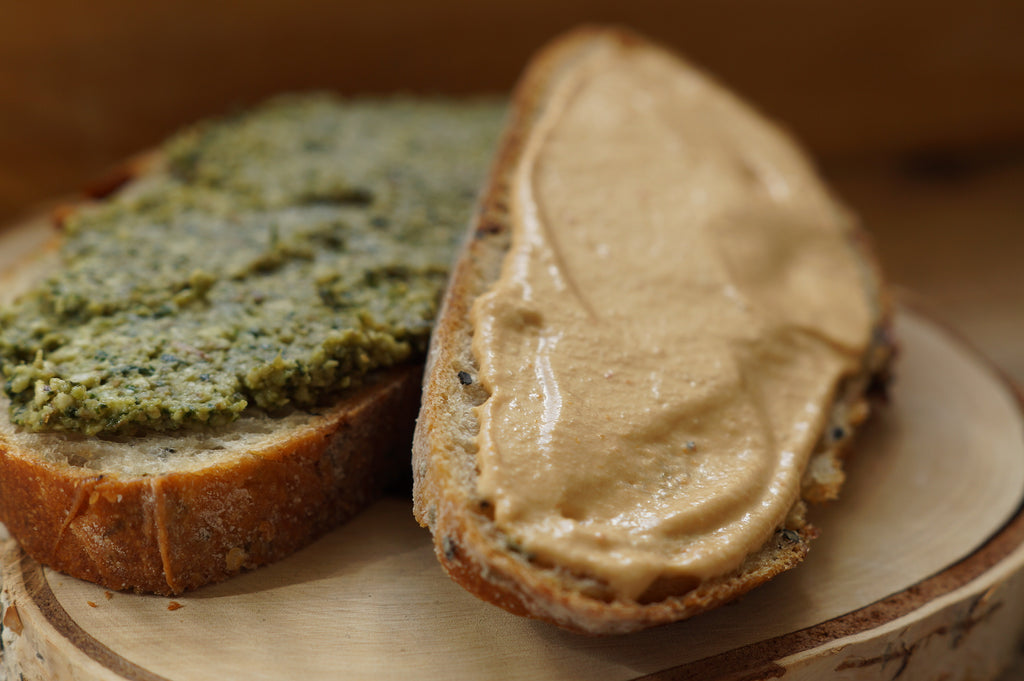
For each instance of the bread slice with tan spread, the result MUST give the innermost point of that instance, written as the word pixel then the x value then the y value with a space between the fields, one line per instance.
pixel 169 510
pixel 475 549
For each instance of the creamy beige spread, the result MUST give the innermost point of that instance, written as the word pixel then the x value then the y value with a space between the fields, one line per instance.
pixel 677 309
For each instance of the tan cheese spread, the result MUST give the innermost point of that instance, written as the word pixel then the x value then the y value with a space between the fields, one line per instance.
pixel 679 304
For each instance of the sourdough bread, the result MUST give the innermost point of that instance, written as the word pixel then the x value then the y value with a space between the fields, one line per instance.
pixel 490 558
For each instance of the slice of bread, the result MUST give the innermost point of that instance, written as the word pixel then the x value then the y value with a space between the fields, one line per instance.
pixel 472 547
pixel 169 511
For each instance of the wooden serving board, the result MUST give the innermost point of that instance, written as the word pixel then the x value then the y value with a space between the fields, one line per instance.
pixel 918 574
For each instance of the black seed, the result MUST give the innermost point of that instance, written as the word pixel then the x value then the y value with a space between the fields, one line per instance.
pixel 449 548
pixel 465 379
pixel 489 228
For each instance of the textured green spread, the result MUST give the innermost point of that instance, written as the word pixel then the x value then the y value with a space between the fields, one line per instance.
pixel 281 256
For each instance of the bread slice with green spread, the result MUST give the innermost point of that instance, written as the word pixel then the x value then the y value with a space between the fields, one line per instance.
pixel 653 351
pixel 221 360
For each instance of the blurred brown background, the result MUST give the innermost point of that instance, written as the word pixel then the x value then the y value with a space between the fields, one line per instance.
pixel 914 109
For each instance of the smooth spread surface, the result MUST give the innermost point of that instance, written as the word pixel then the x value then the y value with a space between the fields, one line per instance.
pixel 679 304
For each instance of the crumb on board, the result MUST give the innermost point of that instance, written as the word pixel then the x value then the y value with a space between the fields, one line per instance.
pixel 90 604
pixel 174 605
pixel 12 619
pixel 108 595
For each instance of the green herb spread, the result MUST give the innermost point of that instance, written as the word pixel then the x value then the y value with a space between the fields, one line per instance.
pixel 279 257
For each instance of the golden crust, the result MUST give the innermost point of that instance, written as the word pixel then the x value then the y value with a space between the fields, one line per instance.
pixel 177 531
pixel 470 548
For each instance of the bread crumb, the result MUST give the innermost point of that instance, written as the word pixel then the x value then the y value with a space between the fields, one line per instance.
pixel 174 605
pixel 12 620
pixel 108 595
pixel 235 558
pixel 90 604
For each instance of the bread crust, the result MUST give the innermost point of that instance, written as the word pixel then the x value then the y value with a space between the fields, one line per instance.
pixel 172 532
pixel 470 548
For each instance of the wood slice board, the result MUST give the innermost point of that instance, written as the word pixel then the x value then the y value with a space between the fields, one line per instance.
pixel 919 574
